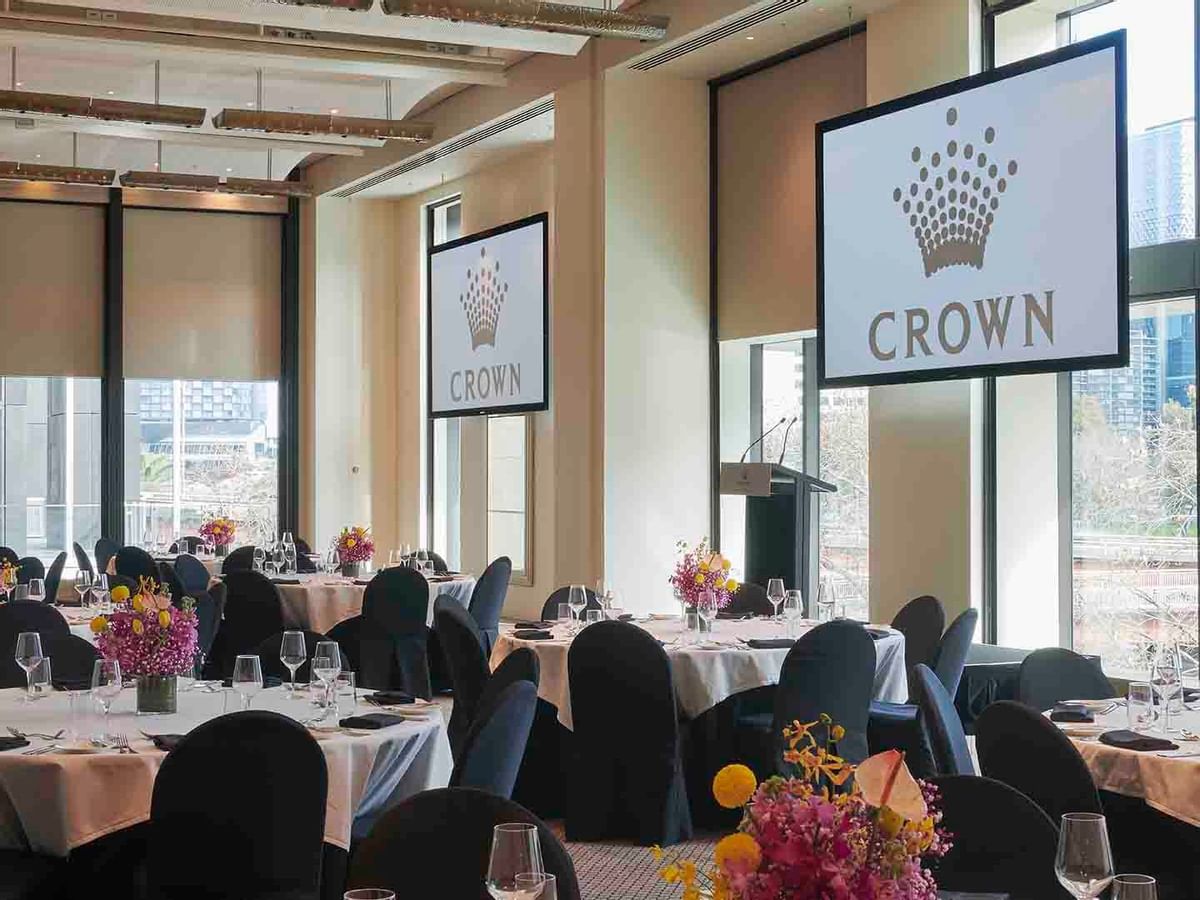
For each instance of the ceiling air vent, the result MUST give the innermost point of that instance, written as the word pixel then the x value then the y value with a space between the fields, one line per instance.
pixel 759 14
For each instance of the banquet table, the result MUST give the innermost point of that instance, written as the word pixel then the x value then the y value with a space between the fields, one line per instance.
pixel 704 673
pixel 318 602
pixel 54 802
pixel 212 563
pixel 79 620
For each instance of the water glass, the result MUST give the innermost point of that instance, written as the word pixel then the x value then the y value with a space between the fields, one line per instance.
pixel 369 894
pixel 292 653
pixel 41 682
pixel 28 654
pixel 825 602
pixel 775 593
pixel 37 590
pixel 260 559
pixel 106 687
pixel 537 886
pixel 564 612
pixel 79 715
pixel 1166 677
pixel 100 592
pixel 793 611
pixel 516 850
pixel 1140 706
pixel 1084 863
pixel 83 584
pixel 706 606
pixel 1134 887
pixel 691 622
pixel 346 686
pixel 592 616
pixel 247 677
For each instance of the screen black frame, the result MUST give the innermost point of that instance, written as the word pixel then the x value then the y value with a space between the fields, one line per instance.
pixel 1114 41
pixel 542 218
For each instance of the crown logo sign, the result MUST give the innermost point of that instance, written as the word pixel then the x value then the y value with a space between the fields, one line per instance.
pixel 952 201
pixel 482 301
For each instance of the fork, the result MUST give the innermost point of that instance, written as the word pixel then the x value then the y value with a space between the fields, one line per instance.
pixel 121 742
pixel 17 733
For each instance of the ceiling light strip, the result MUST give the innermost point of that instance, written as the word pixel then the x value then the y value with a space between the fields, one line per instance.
pixel 178 181
pixel 101 108
pixel 719 32
pixel 350 5
pixel 18 171
pixel 535 15
pixel 277 122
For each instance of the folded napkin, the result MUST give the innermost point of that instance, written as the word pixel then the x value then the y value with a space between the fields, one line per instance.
pixel 1131 740
pixel 269 681
pixel 12 743
pixel 372 721
pixel 165 742
pixel 362 582
pixel 390 698
pixel 72 684
pixel 625 617
pixel 536 626
pixel 284 579
pixel 1191 695
pixel 1071 712
pixel 770 643
pixel 532 634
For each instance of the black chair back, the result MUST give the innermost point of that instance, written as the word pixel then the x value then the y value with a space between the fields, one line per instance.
pixel 248 790
pixel 136 563
pixel 71 661
pixel 561 595
pixel 188 544
pixel 922 622
pixel 1053 674
pixel 1009 736
pixel 750 600
pixel 951 755
pixel 252 613
pixel 487 600
pixel 831 669
pixel 304 564
pixel 239 560
pixel 393 641
pixel 439 564
pixel 30 567
pixel 83 562
pixel 952 651
pixel 627 780
pixel 347 634
pixel 54 576
pixel 210 607
pixel 396 854
pixel 272 665
pixel 520 665
pixel 169 580
pixel 462 647
pixel 495 745
pixel 9 555
pixel 105 550
pixel 1003 843
pixel 193 576
pixel 17 616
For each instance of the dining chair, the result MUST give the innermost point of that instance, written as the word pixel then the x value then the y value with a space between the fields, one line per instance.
pixel 487 599
pixel 1009 736
pixel 71 661
pixel 18 616
pixel 749 600
pixel 30 567
pixel 495 744
pixel 193 576
pixel 168 580
pixel 1003 842
pixel 304 563
pixel 939 718
pixel 252 613
pixel 347 634
pixel 210 609
pixel 189 543
pixel 1053 674
pixel 462 648
pixel 239 560
pixel 136 563
pixel 397 853
pixel 83 562
pixel 249 790
pixel 392 644
pixel 105 550
pixel 626 779
pixel 31 876
pixel 54 576
pixel 268 654
pixel 562 595
pixel 922 622
pixel 439 563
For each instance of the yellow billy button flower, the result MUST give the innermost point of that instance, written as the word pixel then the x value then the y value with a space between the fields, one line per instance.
pixel 726 564
pixel 738 851
pixel 837 732
pixel 119 594
pixel 139 605
pixel 99 625
pixel 137 626
pixel 731 585
pixel 734 785
pixel 164 619
pixel 703 566
pixel 350 542
pixel 669 874
pixel 720 583
pixel 699 578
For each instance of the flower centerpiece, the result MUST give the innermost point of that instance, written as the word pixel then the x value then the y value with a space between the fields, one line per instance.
pixel 8 576
pixel 152 640
pixel 833 832
pixel 354 547
pixel 219 531
pixel 701 569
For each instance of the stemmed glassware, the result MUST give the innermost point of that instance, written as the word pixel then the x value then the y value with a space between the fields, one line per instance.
pixel 1134 887
pixel 793 610
pixel 1084 863
pixel 260 559
pixel 333 561
pixel 292 653
pixel 577 600
pixel 706 607
pixel 288 544
pixel 83 584
pixel 247 677
pixel 100 592
pixel 106 686
pixel 326 666
pixel 28 654
pixel 1166 677
pixel 775 593
pixel 516 850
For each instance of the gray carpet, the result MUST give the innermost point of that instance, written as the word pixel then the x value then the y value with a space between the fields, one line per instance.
pixel 626 872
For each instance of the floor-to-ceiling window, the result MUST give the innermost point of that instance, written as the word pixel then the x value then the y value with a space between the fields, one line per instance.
pixel 444 223
pixel 845 523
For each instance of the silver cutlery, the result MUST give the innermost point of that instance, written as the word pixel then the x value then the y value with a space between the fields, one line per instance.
pixel 49 748
pixel 28 734
pixel 120 743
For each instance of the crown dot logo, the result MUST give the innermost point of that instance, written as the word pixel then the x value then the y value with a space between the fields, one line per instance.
pixel 483 299
pixel 952 221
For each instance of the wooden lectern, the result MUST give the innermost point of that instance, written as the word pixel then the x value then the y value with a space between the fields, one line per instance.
pixel 779 534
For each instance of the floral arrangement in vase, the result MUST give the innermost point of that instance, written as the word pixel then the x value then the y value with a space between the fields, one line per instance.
pixel 8 576
pixel 354 547
pixel 219 531
pixel 835 831
pixel 701 569
pixel 151 639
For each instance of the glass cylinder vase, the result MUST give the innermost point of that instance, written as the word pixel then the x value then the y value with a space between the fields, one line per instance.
pixel 157 695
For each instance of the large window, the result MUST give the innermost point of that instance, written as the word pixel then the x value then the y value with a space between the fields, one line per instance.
pixel 507 489
pixel 444 223
pixel 845 518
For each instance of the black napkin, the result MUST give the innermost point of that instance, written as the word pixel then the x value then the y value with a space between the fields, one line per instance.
pixel 12 743
pixel 532 634
pixel 769 643
pixel 166 742
pixel 269 681
pixel 1191 695
pixel 536 626
pixel 362 582
pixel 371 721
pixel 1131 740
pixel 72 684
pixel 389 698
pixel 1071 712
pixel 285 579
pixel 625 617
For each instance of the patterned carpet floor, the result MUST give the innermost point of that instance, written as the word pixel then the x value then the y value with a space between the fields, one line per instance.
pixel 627 872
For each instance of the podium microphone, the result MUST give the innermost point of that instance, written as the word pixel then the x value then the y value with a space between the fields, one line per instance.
pixel 759 440
pixel 786 435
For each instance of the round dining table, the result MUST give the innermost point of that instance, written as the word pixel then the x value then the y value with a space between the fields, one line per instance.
pixel 318 602
pixel 52 802
pixel 705 671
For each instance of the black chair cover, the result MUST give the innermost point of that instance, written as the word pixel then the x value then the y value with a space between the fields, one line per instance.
pixel 347 635
pixel 30 567
pixel 750 600
pixel 399 852
pixel 31 876
pixel 238 811
pixel 627 778
pixel 193 576
pixel 83 562
pixel 462 647
pixel 239 560
pixel 268 654
pixel 487 600
pixel 922 622
pixel 9 555
pixel 54 576
pixel 136 563
pixel 169 580
pixel 105 550
pixel 550 607
pixel 1009 736
pixel 951 755
pixel 953 648
pixel 1053 674
pixel 1003 843
pixel 210 607
pixel 392 643
pixel 252 613
pixel 439 564
pixel 17 616
pixel 495 745
pixel 303 551
pixel 187 544
pixel 71 660
pixel 520 665
pixel 130 584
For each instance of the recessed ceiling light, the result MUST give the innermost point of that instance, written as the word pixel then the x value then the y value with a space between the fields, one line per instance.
pixel 110 93
pixel 334 111
pixel 228 169
pixel 749 37
pixel 20 84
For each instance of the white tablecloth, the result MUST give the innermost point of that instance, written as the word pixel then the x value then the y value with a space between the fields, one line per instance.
pixel 318 602
pixel 704 677
pixel 53 803
pixel 212 563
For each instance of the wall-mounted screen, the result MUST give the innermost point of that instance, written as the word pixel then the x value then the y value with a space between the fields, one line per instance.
pixel 978 228
pixel 488 338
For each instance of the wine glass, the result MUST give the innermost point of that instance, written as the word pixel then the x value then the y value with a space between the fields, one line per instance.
pixel 706 607
pixel 333 561
pixel 1134 887
pixel 369 894
pixel 1166 676
pixel 37 590
pixel 793 610
pixel 326 666
pixel 247 677
pixel 1084 863
pixel 83 584
pixel 825 602
pixel 577 600
pixel 292 653
pixel 260 559
pixel 28 654
pixel 516 850
pixel 106 686
pixel 537 886
pixel 775 593
pixel 100 591
pixel 422 561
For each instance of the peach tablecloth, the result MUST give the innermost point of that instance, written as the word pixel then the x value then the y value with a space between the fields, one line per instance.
pixel 318 602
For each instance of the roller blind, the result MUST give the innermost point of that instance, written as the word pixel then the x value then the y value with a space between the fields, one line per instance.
pixel 766 195
pixel 202 295
pixel 51 289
